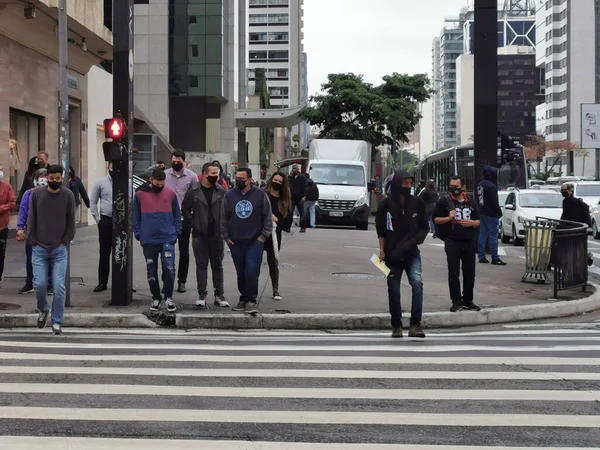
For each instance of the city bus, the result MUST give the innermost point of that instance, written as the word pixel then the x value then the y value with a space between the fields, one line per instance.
pixel 513 171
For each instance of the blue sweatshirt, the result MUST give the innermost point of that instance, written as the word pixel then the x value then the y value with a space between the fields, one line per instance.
pixel 487 194
pixel 246 217
pixel 156 216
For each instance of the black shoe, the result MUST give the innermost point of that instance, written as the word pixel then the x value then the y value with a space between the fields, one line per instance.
pixel 100 288
pixel 302 230
pixel 42 319
pixel 27 289
pixel 471 307
pixel 498 262
pixel 181 288
pixel 484 261
pixel 456 307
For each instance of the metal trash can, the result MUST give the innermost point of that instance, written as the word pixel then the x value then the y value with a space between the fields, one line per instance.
pixel 539 235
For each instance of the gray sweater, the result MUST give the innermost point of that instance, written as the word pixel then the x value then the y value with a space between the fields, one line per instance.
pixel 51 219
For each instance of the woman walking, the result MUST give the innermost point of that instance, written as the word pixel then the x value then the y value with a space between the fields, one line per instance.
pixel 278 191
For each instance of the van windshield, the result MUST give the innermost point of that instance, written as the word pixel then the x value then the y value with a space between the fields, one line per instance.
pixel 337 174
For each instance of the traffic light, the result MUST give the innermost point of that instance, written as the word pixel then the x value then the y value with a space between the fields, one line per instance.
pixel 115 129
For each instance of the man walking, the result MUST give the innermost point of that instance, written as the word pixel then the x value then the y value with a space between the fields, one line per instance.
pixel 490 213
pixel 157 225
pixel 402 225
pixel 246 222
pixel 7 204
pixel 180 179
pixel 103 192
pixel 50 229
pixel 298 188
pixel 458 221
pixel 202 213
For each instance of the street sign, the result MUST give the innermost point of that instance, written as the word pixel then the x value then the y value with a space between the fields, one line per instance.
pixel 590 125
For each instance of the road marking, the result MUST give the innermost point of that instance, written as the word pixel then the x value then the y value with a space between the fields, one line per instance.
pixel 300 417
pixel 305 393
pixel 362 248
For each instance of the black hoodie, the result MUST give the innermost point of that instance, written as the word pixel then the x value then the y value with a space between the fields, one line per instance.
pixel 409 223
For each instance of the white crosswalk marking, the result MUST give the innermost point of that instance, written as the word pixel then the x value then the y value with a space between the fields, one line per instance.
pixel 512 389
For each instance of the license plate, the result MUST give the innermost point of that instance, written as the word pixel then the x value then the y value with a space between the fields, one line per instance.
pixel 336 214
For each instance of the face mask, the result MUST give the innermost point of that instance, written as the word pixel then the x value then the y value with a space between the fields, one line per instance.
pixel 36 166
pixel 177 166
pixel 156 188
pixel 404 191
pixel 564 193
pixel 277 186
pixel 212 180
pixel 455 190
pixel 240 184
pixel 110 172
pixel 54 185
pixel 41 182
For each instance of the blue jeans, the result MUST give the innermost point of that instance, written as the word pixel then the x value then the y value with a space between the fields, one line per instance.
pixel 247 259
pixel 166 253
pixel 42 259
pixel 413 271
pixel 488 230
pixel 429 211
pixel 29 266
pixel 309 213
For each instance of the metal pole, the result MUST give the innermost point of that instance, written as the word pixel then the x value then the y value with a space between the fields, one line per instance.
pixel 64 143
pixel 486 85
pixel 122 250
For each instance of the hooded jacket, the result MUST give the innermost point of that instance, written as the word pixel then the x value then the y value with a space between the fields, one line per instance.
pixel 403 224
pixel 156 216
pixel 487 194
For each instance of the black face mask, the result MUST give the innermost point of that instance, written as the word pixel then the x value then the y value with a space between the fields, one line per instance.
pixel 110 172
pixel 54 185
pixel 157 189
pixel 277 186
pixel 403 191
pixel 241 185
pixel 212 180
pixel 36 167
pixel 177 166
pixel 456 191
pixel 564 193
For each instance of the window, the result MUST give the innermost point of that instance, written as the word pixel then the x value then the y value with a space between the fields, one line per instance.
pixel 24 144
pixel 279 91
pixel 279 37
pixel 279 55
pixel 258 56
pixel 193 81
pixel 258 37
pixel 279 19
pixel 258 19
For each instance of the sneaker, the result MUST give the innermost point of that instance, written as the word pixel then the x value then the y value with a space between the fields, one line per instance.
pixel 50 291
pixel 101 288
pixel 56 328
pixel 42 319
pixel 416 331
pixel 171 306
pixel 201 302
pixel 221 301
pixel 241 306
pixel 27 289
pixel 155 306
pixel 456 307
pixel 181 288
pixel 471 307
pixel 484 261
pixel 251 308
pixel 498 262
pixel 302 230
pixel 277 296
pixel 396 332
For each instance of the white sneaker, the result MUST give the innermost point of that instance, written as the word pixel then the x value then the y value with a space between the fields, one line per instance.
pixel 155 306
pixel 171 306
pixel 56 328
pixel 277 296
pixel 200 303
pixel 221 301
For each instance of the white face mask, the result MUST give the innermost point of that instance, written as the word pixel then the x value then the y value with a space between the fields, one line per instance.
pixel 41 182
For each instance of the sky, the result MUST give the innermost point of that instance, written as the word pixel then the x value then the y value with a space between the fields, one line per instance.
pixel 372 37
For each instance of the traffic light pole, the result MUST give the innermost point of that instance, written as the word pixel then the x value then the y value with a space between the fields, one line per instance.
pixel 122 249
pixel 486 85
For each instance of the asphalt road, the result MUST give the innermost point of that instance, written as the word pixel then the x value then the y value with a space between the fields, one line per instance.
pixel 531 385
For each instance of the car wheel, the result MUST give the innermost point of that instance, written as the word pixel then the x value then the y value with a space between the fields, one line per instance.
pixel 503 237
pixel 595 231
pixel 516 241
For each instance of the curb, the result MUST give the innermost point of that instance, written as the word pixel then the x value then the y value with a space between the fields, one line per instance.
pixel 507 314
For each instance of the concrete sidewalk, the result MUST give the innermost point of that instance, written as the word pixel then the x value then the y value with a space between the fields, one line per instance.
pixel 324 272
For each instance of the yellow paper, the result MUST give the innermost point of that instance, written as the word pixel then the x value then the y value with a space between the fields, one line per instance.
pixel 380 264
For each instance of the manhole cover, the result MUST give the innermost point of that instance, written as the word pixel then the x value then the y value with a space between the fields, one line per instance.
pixel 358 275
pixel 5 306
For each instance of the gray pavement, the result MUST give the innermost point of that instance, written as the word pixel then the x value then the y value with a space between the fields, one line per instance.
pixel 169 389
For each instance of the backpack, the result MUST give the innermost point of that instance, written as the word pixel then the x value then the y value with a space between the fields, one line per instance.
pixel 585 212
pixel 440 230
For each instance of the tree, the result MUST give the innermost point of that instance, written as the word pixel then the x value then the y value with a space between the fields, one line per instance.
pixel 538 148
pixel 350 108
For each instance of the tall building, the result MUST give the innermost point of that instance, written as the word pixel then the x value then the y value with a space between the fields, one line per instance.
pixel 567 53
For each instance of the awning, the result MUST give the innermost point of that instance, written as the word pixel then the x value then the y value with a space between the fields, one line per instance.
pixel 268 118
pixel 301 160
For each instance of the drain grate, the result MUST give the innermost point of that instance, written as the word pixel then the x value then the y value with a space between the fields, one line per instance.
pixel 358 275
pixel 9 306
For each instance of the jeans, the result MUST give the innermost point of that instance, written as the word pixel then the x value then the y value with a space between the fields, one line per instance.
pixel 458 252
pixel 209 249
pixel 29 266
pixel 184 252
pixel 309 213
pixel 105 241
pixel 413 272
pixel 42 258
pixel 166 253
pixel 488 231
pixel 297 203
pixel 429 211
pixel 247 259
pixel 3 238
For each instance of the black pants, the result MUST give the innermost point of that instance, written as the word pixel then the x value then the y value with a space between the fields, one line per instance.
pixel 272 261
pixel 3 239
pixel 458 252
pixel 105 240
pixel 184 253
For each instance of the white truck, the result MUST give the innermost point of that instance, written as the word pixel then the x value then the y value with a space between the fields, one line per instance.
pixel 342 171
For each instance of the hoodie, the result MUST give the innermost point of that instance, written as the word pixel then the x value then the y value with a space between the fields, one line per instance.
pixel 487 194
pixel 403 224
pixel 156 216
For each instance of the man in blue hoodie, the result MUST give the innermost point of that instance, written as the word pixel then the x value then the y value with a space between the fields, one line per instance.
pixel 246 223
pixel 490 213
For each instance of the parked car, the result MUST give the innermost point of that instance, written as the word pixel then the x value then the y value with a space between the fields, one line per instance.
pixel 501 200
pixel 527 204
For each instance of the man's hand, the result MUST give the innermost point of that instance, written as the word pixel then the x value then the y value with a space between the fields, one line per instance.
pixel 261 239
pixel 21 236
pixel 381 255
pixel 452 214
pixel 303 199
pixel 275 219
pixel 229 242
pixel 467 223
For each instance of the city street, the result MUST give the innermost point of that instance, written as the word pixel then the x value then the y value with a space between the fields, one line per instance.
pixel 534 387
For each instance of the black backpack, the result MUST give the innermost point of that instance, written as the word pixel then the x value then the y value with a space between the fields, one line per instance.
pixel 441 230
pixel 585 212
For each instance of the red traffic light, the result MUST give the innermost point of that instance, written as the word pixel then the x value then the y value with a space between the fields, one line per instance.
pixel 115 128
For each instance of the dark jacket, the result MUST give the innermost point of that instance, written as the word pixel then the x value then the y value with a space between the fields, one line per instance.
pixel 79 192
pixel 465 210
pixel 156 216
pixel 312 191
pixel 575 210
pixel 487 193
pixel 195 209
pixel 430 196
pixel 246 216
pixel 297 186
pixel 409 224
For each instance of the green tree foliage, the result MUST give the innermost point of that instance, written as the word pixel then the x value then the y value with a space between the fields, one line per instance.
pixel 350 108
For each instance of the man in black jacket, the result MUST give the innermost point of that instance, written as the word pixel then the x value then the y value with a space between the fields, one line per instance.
pixel 298 190
pixel 402 225
pixel 490 213
pixel 574 209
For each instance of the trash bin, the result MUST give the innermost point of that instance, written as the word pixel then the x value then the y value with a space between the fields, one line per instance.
pixel 539 236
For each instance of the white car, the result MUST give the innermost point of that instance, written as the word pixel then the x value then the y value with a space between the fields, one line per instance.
pixel 527 204
pixel 501 200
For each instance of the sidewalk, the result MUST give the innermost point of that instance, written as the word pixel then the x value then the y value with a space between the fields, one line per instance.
pixel 324 272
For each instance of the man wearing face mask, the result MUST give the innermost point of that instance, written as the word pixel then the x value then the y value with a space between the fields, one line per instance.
pixel 157 225
pixel 103 192
pixel 201 211
pixel 7 204
pixel 574 209
pixel 402 225
pixel 181 180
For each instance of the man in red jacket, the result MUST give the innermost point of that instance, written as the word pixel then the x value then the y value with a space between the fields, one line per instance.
pixel 7 204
